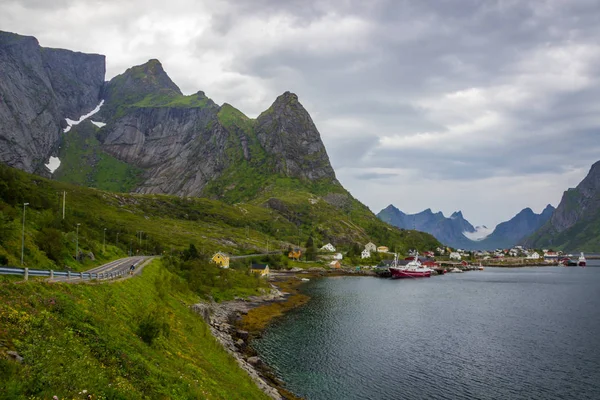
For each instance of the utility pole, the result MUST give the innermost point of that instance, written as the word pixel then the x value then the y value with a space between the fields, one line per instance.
pixel 77 244
pixel 104 241
pixel 64 202
pixel 23 235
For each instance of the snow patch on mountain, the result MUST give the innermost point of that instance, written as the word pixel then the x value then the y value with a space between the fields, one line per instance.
pixel 72 123
pixel 53 164
pixel 481 232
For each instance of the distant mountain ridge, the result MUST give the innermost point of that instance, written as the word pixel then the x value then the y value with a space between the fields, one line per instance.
pixel 451 231
pixel 575 225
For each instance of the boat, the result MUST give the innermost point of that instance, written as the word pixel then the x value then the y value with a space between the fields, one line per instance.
pixel 413 269
pixel 456 269
pixel 581 262
pixel 480 267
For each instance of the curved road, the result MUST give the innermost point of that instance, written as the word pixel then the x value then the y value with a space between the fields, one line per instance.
pixel 113 269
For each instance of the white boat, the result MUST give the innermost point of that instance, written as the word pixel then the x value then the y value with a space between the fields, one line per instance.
pixel 581 262
pixel 413 269
pixel 305 279
pixel 455 269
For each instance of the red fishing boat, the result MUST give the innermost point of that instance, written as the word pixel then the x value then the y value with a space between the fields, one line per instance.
pixel 413 269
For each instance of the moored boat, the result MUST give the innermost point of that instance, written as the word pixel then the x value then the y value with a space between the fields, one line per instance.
pixel 581 262
pixel 413 269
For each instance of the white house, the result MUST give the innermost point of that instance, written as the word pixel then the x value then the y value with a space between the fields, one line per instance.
pixel 370 247
pixel 534 256
pixel 455 256
pixel 365 253
pixel 513 252
pixel 328 247
pixel 338 256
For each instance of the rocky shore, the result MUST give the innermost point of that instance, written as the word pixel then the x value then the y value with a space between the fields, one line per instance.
pixel 234 323
pixel 223 320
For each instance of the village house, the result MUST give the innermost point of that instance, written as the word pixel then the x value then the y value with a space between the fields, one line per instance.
pixel 295 254
pixel 335 264
pixel 383 249
pixel 365 254
pixel 260 269
pixel 455 256
pixel 370 247
pixel 338 256
pixel 328 247
pixel 533 256
pixel 221 259
pixel 513 252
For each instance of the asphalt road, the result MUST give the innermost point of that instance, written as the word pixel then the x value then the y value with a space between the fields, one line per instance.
pixel 120 266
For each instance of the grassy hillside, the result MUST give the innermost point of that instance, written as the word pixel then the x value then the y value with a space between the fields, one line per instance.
pixel 284 214
pixel 127 340
pixel 84 163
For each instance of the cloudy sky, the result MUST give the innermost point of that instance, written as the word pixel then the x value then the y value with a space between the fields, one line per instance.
pixel 481 106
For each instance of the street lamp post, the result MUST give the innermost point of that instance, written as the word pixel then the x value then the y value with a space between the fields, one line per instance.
pixel 77 244
pixel 104 241
pixel 23 235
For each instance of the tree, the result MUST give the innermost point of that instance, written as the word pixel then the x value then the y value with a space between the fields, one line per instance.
pixel 311 253
pixel 191 253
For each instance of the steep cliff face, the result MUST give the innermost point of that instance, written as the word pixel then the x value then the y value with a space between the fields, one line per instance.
pixel 189 146
pixel 37 91
pixel 76 79
pixel 575 224
pixel 287 133
pixel 577 203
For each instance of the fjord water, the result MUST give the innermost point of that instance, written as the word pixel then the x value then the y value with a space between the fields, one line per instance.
pixel 526 333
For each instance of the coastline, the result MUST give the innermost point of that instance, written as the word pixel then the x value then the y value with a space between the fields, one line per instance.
pixel 235 323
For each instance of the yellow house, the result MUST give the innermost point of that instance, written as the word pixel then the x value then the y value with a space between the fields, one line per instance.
pixel 382 249
pixel 221 259
pixel 260 269
pixel 335 264
pixel 296 253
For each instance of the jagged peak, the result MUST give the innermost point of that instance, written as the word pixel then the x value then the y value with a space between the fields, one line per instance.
pixel 147 77
pixel 457 214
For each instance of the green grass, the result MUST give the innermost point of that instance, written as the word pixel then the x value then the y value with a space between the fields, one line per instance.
pixel 83 162
pixel 198 100
pixel 78 340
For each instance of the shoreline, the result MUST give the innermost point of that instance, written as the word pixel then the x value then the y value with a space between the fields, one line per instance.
pixel 236 323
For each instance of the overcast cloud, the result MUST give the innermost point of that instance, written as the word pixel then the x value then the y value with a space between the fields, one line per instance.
pixel 481 106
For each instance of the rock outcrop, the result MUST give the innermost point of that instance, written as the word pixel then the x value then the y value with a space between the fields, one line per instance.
pixel 288 135
pixel 39 88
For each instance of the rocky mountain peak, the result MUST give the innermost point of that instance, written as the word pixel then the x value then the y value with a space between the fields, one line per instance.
pixel 287 132
pixel 136 84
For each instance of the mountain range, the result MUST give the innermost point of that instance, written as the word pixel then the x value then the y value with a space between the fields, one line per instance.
pixel 145 136
pixel 455 230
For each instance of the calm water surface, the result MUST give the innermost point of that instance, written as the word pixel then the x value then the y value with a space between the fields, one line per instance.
pixel 527 333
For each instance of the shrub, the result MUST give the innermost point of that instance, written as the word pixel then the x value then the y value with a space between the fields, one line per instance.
pixel 152 326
